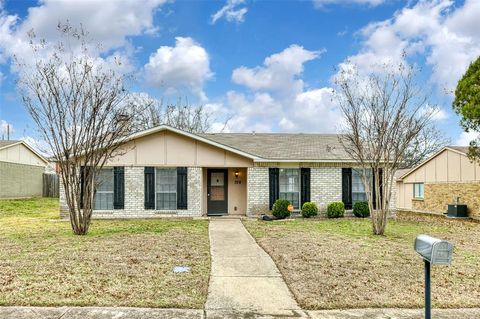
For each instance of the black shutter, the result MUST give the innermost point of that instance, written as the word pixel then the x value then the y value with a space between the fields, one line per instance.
pixel 82 184
pixel 374 195
pixel 304 185
pixel 118 187
pixel 347 187
pixel 149 188
pixel 181 188
pixel 274 186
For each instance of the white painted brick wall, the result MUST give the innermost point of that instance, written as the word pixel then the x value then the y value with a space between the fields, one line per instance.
pixel 135 202
pixel 325 186
pixel 257 191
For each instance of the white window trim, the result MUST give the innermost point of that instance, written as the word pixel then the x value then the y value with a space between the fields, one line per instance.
pixel 155 190
pixel 105 192
pixel 299 187
pixel 359 172
pixel 414 191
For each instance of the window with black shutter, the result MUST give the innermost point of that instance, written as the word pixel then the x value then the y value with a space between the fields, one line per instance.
pixel 149 189
pixel 118 187
pixel 304 185
pixel 273 177
pixel 182 188
pixel 347 187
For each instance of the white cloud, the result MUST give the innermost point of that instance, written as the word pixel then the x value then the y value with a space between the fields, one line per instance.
pixel 440 115
pixel 231 11
pixel 323 3
pixel 437 113
pixel 316 110
pixel 109 23
pixel 280 72
pixel 186 66
pixel 465 138
pixel 277 98
pixel 446 36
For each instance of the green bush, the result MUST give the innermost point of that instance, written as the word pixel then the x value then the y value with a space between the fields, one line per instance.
pixel 335 210
pixel 280 208
pixel 360 209
pixel 309 209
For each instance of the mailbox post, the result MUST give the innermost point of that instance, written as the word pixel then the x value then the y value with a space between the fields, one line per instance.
pixel 433 251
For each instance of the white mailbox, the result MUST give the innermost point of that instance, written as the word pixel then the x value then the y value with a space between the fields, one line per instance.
pixel 434 250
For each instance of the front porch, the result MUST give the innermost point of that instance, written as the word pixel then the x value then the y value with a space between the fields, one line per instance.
pixel 224 191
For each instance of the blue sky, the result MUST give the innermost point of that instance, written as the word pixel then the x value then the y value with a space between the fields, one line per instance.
pixel 266 65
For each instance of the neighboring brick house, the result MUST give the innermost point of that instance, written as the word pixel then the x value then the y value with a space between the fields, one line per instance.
pixel 164 171
pixel 439 181
pixel 21 170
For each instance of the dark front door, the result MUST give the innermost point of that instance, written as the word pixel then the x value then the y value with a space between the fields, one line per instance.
pixel 217 192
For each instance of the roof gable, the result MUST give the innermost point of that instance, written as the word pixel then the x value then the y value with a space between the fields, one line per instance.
pixel 457 149
pixel 11 143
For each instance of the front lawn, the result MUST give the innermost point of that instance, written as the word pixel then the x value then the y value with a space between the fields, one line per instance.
pixel 338 263
pixel 119 263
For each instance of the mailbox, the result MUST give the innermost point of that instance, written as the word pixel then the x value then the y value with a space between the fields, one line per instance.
pixel 434 250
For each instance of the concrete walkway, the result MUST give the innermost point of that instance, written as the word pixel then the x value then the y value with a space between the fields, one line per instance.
pixel 244 279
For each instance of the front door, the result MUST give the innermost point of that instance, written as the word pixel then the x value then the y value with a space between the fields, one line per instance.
pixel 217 192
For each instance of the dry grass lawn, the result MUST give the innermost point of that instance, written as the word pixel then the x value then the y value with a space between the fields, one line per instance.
pixel 338 263
pixel 119 263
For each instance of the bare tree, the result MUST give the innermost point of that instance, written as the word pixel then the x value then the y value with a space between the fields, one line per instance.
pixel 384 113
pixel 78 104
pixel 182 115
pixel 425 144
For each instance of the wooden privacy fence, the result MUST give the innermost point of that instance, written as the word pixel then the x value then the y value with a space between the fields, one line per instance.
pixel 50 185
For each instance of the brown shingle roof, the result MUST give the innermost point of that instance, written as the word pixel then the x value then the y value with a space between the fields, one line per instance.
pixel 278 146
pixel 4 143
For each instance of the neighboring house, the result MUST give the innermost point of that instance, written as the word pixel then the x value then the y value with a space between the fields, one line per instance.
pixel 21 169
pixel 439 181
pixel 164 171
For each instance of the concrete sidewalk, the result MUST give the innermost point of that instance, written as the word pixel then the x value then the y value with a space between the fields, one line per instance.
pixel 244 279
pixel 148 313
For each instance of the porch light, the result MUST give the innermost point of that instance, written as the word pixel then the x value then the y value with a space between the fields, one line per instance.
pixel 236 174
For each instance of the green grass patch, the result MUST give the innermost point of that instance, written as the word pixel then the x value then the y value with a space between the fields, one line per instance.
pixel 118 263
pixel 339 263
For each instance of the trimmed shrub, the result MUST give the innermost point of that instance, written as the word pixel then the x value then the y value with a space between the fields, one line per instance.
pixel 335 210
pixel 280 208
pixel 360 209
pixel 309 209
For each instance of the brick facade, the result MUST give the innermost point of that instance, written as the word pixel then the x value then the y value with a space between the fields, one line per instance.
pixel 257 191
pixel 438 195
pixel 134 197
pixel 325 186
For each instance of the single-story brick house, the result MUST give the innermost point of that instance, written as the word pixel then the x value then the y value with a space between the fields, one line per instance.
pixel 440 180
pixel 165 171
pixel 21 170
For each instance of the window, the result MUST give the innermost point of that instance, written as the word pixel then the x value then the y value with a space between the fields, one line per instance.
pixel 166 188
pixel 418 190
pixel 103 199
pixel 290 185
pixel 358 189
